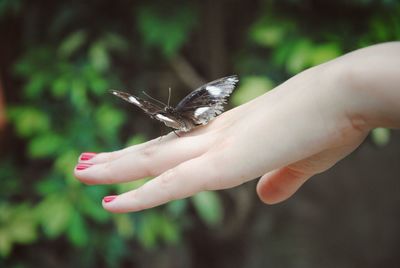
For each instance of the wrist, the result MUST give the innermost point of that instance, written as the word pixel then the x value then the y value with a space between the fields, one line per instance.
pixel 368 79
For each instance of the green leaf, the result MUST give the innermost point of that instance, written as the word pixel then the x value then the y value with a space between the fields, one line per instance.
pixel 177 207
pixel 325 52
pixel 169 230
pixel 136 139
pixel 36 85
pixel 54 214
pixel 60 86
pixel 78 93
pixel 269 32
pixel 380 136
pixel 109 119
pixel 300 56
pixel 28 120
pixel 72 43
pixel 209 208
pixel 115 42
pixel 148 231
pixel 125 226
pixel 99 56
pixel 5 243
pixel 65 164
pixel 77 231
pixel 92 208
pixel 250 88
pixel 45 145
pixel 167 31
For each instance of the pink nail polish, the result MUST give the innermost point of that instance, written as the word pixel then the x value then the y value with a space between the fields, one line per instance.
pixel 81 166
pixel 86 156
pixel 109 198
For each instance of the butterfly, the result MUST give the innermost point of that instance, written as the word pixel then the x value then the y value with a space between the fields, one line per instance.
pixel 198 108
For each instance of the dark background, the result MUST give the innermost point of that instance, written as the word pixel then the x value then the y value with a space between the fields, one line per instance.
pixel 59 58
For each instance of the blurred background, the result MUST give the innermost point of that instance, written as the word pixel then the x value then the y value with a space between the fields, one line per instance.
pixel 59 58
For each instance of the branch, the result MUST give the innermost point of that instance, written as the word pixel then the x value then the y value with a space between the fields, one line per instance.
pixel 186 72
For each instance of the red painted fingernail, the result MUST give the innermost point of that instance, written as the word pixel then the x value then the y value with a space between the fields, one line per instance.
pixel 81 166
pixel 86 156
pixel 109 198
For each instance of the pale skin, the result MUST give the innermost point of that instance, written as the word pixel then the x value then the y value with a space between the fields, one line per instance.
pixel 301 128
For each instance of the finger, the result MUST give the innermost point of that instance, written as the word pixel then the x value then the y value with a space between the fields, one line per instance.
pixel 146 161
pixel 280 184
pixel 184 180
pixel 96 158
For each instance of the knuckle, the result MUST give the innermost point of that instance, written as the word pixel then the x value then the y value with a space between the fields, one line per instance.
pixel 166 181
pixel 167 178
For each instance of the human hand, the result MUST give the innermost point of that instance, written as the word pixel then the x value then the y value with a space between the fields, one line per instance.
pixel 293 132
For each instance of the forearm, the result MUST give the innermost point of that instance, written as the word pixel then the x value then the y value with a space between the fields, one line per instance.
pixel 372 80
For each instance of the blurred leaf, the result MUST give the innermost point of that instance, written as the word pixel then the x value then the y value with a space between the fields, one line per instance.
pixel 45 145
pixel 380 136
pixel 251 87
pixel 92 208
pixel 17 225
pixel 115 42
pixel 54 214
pixel 109 119
pixel 99 57
pixel 36 85
pixel 60 86
pixel 136 139
pixel 177 207
pixel 166 28
pixel 5 243
pixel 299 57
pixel 147 233
pixel 269 32
pixel 72 43
pixel 65 164
pixel 77 230
pixel 125 226
pixel 78 93
pixel 169 230
pixel 28 120
pixel 325 52
pixel 209 207
pixel 23 227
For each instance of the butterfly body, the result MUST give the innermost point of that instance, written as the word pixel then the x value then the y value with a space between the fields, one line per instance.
pixel 197 108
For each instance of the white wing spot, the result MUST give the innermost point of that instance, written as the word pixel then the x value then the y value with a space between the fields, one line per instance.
pixel 134 100
pixel 164 118
pixel 200 111
pixel 215 91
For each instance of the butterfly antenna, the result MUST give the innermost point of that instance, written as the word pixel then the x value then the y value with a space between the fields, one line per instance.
pixel 169 95
pixel 153 98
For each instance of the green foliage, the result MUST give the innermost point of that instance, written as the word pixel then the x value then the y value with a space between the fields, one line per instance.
pixel 65 63
pixel 209 208
pixel 165 27
pixel 17 225
pixel 251 87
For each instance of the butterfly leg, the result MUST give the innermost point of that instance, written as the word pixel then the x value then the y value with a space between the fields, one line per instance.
pixel 176 134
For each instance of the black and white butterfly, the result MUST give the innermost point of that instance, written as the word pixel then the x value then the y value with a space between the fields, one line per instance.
pixel 197 108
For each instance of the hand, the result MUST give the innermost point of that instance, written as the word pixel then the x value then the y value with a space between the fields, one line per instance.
pixel 293 132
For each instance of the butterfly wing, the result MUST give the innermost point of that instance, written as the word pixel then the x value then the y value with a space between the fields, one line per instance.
pixel 148 107
pixel 206 102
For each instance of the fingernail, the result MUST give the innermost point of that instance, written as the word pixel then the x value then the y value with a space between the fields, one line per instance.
pixel 86 156
pixel 81 166
pixel 109 198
